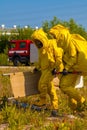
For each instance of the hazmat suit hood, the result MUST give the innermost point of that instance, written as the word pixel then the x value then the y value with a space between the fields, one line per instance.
pixel 49 55
pixel 74 47
pixel 41 36
pixel 62 35
pixel 78 37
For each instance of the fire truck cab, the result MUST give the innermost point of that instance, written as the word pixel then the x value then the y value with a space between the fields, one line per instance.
pixel 22 51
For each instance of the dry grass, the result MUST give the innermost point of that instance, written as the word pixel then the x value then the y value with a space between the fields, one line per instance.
pixel 21 119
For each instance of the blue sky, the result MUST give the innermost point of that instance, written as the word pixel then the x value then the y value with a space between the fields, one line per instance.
pixel 35 12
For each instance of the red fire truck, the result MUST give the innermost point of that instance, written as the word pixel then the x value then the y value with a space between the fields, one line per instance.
pixel 22 52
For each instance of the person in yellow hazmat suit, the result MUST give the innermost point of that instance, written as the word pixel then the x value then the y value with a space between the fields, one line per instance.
pixel 49 61
pixel 75 59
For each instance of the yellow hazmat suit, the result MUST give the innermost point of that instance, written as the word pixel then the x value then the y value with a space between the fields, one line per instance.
pixel 50 57
pixel 74 59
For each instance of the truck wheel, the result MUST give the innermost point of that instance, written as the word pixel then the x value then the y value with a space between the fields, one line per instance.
pixel 26 64
pixel 16 61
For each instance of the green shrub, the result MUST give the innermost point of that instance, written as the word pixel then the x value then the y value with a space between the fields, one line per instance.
pixel 3 59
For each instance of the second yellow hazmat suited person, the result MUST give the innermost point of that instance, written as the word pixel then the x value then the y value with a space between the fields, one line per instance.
pixel 74 59
pixel 50 61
